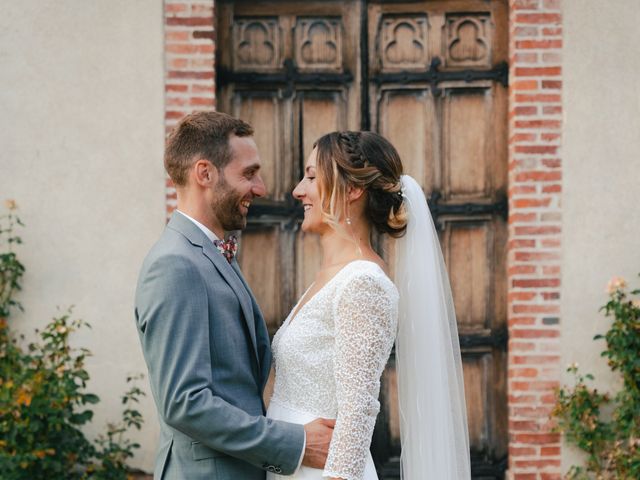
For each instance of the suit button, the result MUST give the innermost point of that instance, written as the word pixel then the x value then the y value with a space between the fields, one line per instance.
pixel 272 469
pixel 277 470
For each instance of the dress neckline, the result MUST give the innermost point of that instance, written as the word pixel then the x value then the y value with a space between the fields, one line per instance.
pixel 295 312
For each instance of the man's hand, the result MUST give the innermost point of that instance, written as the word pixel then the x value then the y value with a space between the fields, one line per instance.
pixel 319 433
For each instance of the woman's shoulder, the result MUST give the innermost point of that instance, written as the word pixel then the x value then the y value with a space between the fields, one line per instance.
pixel 366 274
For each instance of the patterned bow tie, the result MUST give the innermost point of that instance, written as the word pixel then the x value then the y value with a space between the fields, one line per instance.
pixel 227 247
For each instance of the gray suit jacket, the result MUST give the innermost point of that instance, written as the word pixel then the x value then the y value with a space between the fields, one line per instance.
pixel 207 350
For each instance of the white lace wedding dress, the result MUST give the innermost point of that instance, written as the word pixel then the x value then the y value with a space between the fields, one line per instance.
pixel 329 360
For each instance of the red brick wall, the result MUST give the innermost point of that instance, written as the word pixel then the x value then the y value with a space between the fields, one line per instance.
pixel 535 185
pixel 535 175
pixel 189 64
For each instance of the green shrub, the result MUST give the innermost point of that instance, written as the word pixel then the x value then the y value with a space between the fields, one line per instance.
pixel 44 400
pixel 605 427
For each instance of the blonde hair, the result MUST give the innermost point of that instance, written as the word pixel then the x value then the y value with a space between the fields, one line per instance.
pixel 368 161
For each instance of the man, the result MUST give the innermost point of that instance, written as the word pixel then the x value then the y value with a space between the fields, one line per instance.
pixel 203 337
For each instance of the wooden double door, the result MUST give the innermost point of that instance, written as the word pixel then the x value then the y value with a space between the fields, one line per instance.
pixel 431 76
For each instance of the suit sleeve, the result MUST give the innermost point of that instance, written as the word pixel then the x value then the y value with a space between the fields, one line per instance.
pixel 172 314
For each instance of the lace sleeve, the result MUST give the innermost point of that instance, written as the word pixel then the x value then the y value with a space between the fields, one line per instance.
pixel 365 316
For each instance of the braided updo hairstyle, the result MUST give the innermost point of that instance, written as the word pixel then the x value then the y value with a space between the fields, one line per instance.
pixel 368 161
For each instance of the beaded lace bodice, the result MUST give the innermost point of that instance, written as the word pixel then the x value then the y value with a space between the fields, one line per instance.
pixel 330 357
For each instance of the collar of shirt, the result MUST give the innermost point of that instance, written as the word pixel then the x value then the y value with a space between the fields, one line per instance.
pixel 210 235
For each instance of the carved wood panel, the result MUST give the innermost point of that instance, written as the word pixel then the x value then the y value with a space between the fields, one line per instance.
pixel 296 70
pixel 318 44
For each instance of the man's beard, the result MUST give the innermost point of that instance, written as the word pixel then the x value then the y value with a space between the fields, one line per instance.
pixel 226 207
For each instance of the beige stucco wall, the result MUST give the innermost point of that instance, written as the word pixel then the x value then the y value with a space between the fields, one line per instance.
pixel 601 154
pixel 81 129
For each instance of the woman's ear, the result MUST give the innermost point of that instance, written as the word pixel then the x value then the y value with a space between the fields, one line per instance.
pixel 354 193
pixel 205 173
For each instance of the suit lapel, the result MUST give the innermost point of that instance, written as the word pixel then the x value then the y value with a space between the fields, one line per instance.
pixel 262 334
pixel 198 238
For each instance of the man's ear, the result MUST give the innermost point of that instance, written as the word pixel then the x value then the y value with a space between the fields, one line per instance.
pixel 204 173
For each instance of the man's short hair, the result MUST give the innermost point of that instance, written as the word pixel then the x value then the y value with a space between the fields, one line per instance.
pixel 201 135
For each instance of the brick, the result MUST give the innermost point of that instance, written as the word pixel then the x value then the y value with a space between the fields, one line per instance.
pixel 525 85
pixel 174 8
pixel 524 137
pixel 549 137
pixel 521 321
pixel 190 74
pixel 533 333
pixel 550 243
pixel 552 109
pixel 525 476
pixel 526 58
pixel 521 243
pixel 521 190
pixel 528 110
pixel 538 71
pixel 538 464
pixel 520 398
pixel 539 176
pixel 176 87
pixel 189 21
pixel 550 476
pixel 202 9
pixel 526 308
pixel 523 451
pixel 537 438
pixel 532 412
pixel 533 385
pixel 552 84
pixel 200 101
pixel 548 399
pixel 528 31
pixel 551 270
pixel 178 63
pixel 538 18
pixel 189 48
pixel 551 57
pixel 523 426
pixel 552 189
pixel 551 4
pixel 550 296
pixel 539 98
pixel 535 359
pixel 521 346
pixel 552 124
pixel 538 44
pixel 532 202
pixel 552 162
pixel 173 115
pixel 531 256
pixel 549 451
pixel 195 88
pixel 523 372
pixel 535 230
pixel 552 31
pixel 536 283
pixel 177 36
pixel 526 4
pixel 522 270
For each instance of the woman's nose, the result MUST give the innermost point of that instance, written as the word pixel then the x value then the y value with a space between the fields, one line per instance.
pixel 298 192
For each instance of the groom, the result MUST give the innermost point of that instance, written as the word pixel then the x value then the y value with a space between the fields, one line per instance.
pixel 203 336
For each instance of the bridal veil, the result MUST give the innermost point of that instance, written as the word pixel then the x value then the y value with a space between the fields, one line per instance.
pixel 433 419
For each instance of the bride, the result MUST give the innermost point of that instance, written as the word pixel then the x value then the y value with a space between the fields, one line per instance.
pixel 332 348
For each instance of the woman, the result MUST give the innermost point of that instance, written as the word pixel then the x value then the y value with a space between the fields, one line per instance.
pixel 332 348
